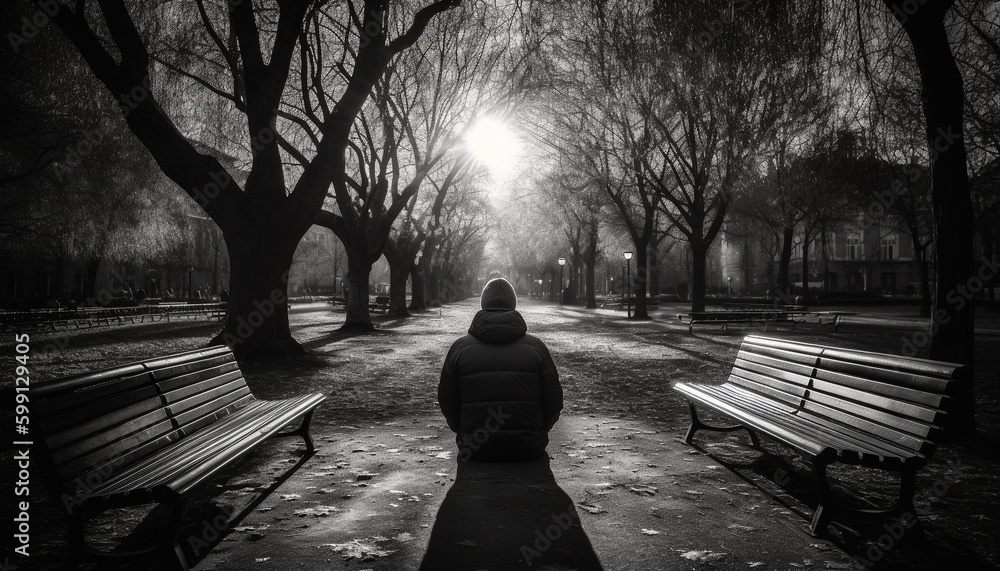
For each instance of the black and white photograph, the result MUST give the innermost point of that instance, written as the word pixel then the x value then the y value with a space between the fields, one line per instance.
pixel 491 285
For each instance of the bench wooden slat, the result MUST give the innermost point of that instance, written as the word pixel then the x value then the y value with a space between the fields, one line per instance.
pixel 120 448
pixel 880 403
pixel 770 387
pixel 189 357
pixel 54 405
pixel 106 427
pixel 289 411
pixel 188 451
pixel 780 433
pixel 169 384
pixel 139 398
pixel 860 423
pixel 885 387
pixel 845 438
pixel 51 389
pixel 745 356
pixel 921 368
pixel 189 367
pixel 840 442
pixel 245 425
pixel 194 426
pixel 199 383
pixel 844 441
pixel 789 377
pixel 198 406
pixel 783 354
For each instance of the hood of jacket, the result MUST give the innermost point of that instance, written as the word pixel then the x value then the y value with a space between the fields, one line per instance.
pixel 498 327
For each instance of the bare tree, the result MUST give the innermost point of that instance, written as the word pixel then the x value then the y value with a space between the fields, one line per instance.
pixel 255 46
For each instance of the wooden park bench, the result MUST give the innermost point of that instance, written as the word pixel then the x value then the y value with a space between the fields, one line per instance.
pixel 835 406
pixel 762 316
pixel 153 431
pixel 381 304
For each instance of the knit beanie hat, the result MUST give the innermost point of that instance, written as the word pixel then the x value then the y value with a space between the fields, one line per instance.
pixel 499 294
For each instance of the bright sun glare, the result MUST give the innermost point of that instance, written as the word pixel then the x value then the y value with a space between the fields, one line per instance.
pixel 494 146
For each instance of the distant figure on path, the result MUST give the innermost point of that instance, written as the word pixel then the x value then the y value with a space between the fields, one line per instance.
pixel 499 389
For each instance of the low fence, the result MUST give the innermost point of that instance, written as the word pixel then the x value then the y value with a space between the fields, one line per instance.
pixel 62 319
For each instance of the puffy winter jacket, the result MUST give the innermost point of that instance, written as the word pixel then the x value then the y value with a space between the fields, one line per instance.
pixel 499 390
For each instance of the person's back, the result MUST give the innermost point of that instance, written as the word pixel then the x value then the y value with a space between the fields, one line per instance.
pixel 499 389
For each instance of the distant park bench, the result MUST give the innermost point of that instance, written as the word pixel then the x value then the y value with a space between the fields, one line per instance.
pixel 623 305
pixel 772 314
pixel 835 406
pixel 381 304
pixel 89 317
pixel 153 431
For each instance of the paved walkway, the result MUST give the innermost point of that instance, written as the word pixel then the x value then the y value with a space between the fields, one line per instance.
pixel 616 495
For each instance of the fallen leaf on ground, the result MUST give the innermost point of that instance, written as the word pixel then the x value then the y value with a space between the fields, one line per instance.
pixel 741 527
pixel 701 556
pixel 592 508
pixel 318 511
pixel 468 543
pixel 359 549
pixel 403 537
pixel 649 531
pixel 290 497
pixel 643 490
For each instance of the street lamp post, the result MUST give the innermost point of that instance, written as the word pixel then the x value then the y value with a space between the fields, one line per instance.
pixel 628 282
pixel 562 262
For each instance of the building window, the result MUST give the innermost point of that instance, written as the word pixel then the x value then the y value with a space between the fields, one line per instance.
pixel 853 246
pixel 889 247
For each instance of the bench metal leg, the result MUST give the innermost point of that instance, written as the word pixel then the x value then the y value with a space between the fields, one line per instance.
pixel 829 507
pixel 827 502
pixel 169 548
pixel 697 424
pixel 171 544
pixel 303 431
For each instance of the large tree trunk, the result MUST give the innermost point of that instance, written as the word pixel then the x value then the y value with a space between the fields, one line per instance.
pixel 433 288
pixel 639 285
pixel 698 276
pixel 399 271
pixel 257 314
pixel 398 274
pixel 925 278
pixel 418 294
pixel 90 290
pixel 805 268
pixel 787 235
pixel 654 266
pixel 590 261
pixel 358 272
pixel 952 326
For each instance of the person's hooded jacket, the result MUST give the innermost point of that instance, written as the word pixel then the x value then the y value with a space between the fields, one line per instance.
pixel 499 390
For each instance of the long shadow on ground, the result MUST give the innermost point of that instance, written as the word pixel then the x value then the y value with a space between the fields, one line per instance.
pixel 508 516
